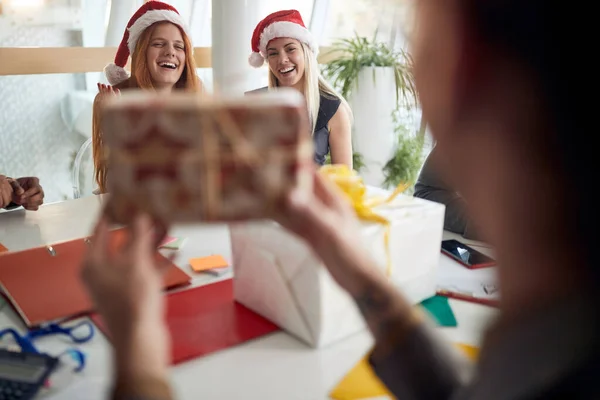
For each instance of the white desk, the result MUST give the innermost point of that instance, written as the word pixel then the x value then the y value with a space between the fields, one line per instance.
pixel 273 367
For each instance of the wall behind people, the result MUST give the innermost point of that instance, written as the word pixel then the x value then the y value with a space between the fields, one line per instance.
pixel 34 140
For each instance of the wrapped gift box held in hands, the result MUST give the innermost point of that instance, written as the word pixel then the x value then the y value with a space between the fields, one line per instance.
pixel 185 158
pixel 278 276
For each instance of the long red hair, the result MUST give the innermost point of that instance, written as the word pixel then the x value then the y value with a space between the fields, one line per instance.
pixel 140 79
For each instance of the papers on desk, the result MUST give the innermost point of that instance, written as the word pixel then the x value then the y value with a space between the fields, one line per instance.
pixel 476 285
pixel 206 319
pixel 213 262
pixel 361 383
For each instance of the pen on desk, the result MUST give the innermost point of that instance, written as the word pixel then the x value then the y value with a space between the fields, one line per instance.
pixel 444 292
pixel 468 297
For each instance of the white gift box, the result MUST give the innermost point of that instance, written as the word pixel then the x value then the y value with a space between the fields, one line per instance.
pixel 277 275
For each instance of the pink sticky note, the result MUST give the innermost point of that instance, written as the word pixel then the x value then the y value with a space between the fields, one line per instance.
pixel 167 240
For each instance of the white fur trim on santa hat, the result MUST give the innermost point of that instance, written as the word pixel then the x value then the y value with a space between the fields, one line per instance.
pixel 150 18
pixel 115 74
pixel 286 29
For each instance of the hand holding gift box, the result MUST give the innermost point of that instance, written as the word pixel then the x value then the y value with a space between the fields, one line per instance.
pixel 185 158
pixel 279 276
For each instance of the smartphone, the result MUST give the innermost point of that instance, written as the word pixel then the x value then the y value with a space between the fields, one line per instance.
pixel 466 255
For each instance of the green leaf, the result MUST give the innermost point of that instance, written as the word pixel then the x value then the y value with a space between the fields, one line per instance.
pixel 357 53
pixel 357 161
pixel 407 160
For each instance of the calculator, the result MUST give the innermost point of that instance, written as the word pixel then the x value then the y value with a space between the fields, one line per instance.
pixel 23 374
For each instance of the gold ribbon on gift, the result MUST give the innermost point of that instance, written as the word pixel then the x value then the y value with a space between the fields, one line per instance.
pixel 355 190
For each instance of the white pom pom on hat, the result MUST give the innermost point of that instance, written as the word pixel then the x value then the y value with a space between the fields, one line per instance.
pixel 115 74
pixel 256 60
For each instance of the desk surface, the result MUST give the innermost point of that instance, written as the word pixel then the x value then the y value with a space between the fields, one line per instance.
pixel 277 366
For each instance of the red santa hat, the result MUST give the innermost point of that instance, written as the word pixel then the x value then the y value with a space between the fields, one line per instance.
pixel 280 24
pixel 148 14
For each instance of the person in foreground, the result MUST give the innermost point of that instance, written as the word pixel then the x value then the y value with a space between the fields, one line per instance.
pixel 290 50
pixel 23 192
pixel 431 186
pixel 127 290
pixel 158 40
pixel 499 98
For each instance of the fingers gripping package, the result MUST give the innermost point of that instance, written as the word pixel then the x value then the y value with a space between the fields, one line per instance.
pixel 185 158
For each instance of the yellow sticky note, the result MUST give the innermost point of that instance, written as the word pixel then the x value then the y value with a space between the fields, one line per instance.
pixel 206 263
pixel 362 383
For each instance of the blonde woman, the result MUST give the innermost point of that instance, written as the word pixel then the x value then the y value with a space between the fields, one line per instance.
pixel 161 59
pixel 291 53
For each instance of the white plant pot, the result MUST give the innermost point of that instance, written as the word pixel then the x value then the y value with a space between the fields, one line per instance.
pixel 372 102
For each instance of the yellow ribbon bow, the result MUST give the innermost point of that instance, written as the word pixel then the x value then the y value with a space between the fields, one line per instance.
pixel 354 189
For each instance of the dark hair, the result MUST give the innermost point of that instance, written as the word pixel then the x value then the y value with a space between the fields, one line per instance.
pixel 542 36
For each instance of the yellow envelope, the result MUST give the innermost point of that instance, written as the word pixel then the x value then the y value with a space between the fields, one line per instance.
pixel 362 383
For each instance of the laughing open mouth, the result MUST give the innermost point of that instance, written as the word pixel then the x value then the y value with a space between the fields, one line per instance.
pixel 286 71
pixel 167 65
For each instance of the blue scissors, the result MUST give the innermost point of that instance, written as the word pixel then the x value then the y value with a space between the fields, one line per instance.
pixel 79 333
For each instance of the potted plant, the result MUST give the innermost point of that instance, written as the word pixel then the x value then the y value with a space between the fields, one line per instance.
pixel 377 81
pixel 404 165
pixel 359 56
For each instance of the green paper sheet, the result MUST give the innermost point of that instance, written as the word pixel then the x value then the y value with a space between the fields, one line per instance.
pixel 175 244
pixel 439 308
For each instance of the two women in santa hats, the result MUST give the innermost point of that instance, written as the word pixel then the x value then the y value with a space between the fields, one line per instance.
pixel 157 39
pixel 282 40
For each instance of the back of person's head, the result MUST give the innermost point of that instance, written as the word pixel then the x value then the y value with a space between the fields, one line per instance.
pixel 542 37
pixel 498 83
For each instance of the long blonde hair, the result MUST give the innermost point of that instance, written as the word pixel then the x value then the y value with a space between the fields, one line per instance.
pixel 314 86
pixel 140 79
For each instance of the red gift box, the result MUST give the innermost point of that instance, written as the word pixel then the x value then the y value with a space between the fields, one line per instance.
pixel 185 158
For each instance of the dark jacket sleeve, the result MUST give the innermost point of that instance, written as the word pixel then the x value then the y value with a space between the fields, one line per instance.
pixel 431 186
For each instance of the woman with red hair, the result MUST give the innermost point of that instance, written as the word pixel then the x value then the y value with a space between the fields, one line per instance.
pixel 157 38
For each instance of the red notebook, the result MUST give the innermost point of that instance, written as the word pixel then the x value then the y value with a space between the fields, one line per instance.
pixel 44 284
pixel 207 319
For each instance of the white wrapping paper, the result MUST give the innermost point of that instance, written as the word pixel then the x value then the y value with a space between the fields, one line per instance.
pixel 277 275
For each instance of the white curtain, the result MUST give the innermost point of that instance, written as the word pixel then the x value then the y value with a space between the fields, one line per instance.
pixel 319 18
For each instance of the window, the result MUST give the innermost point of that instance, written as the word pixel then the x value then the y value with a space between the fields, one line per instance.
pixel 387 20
